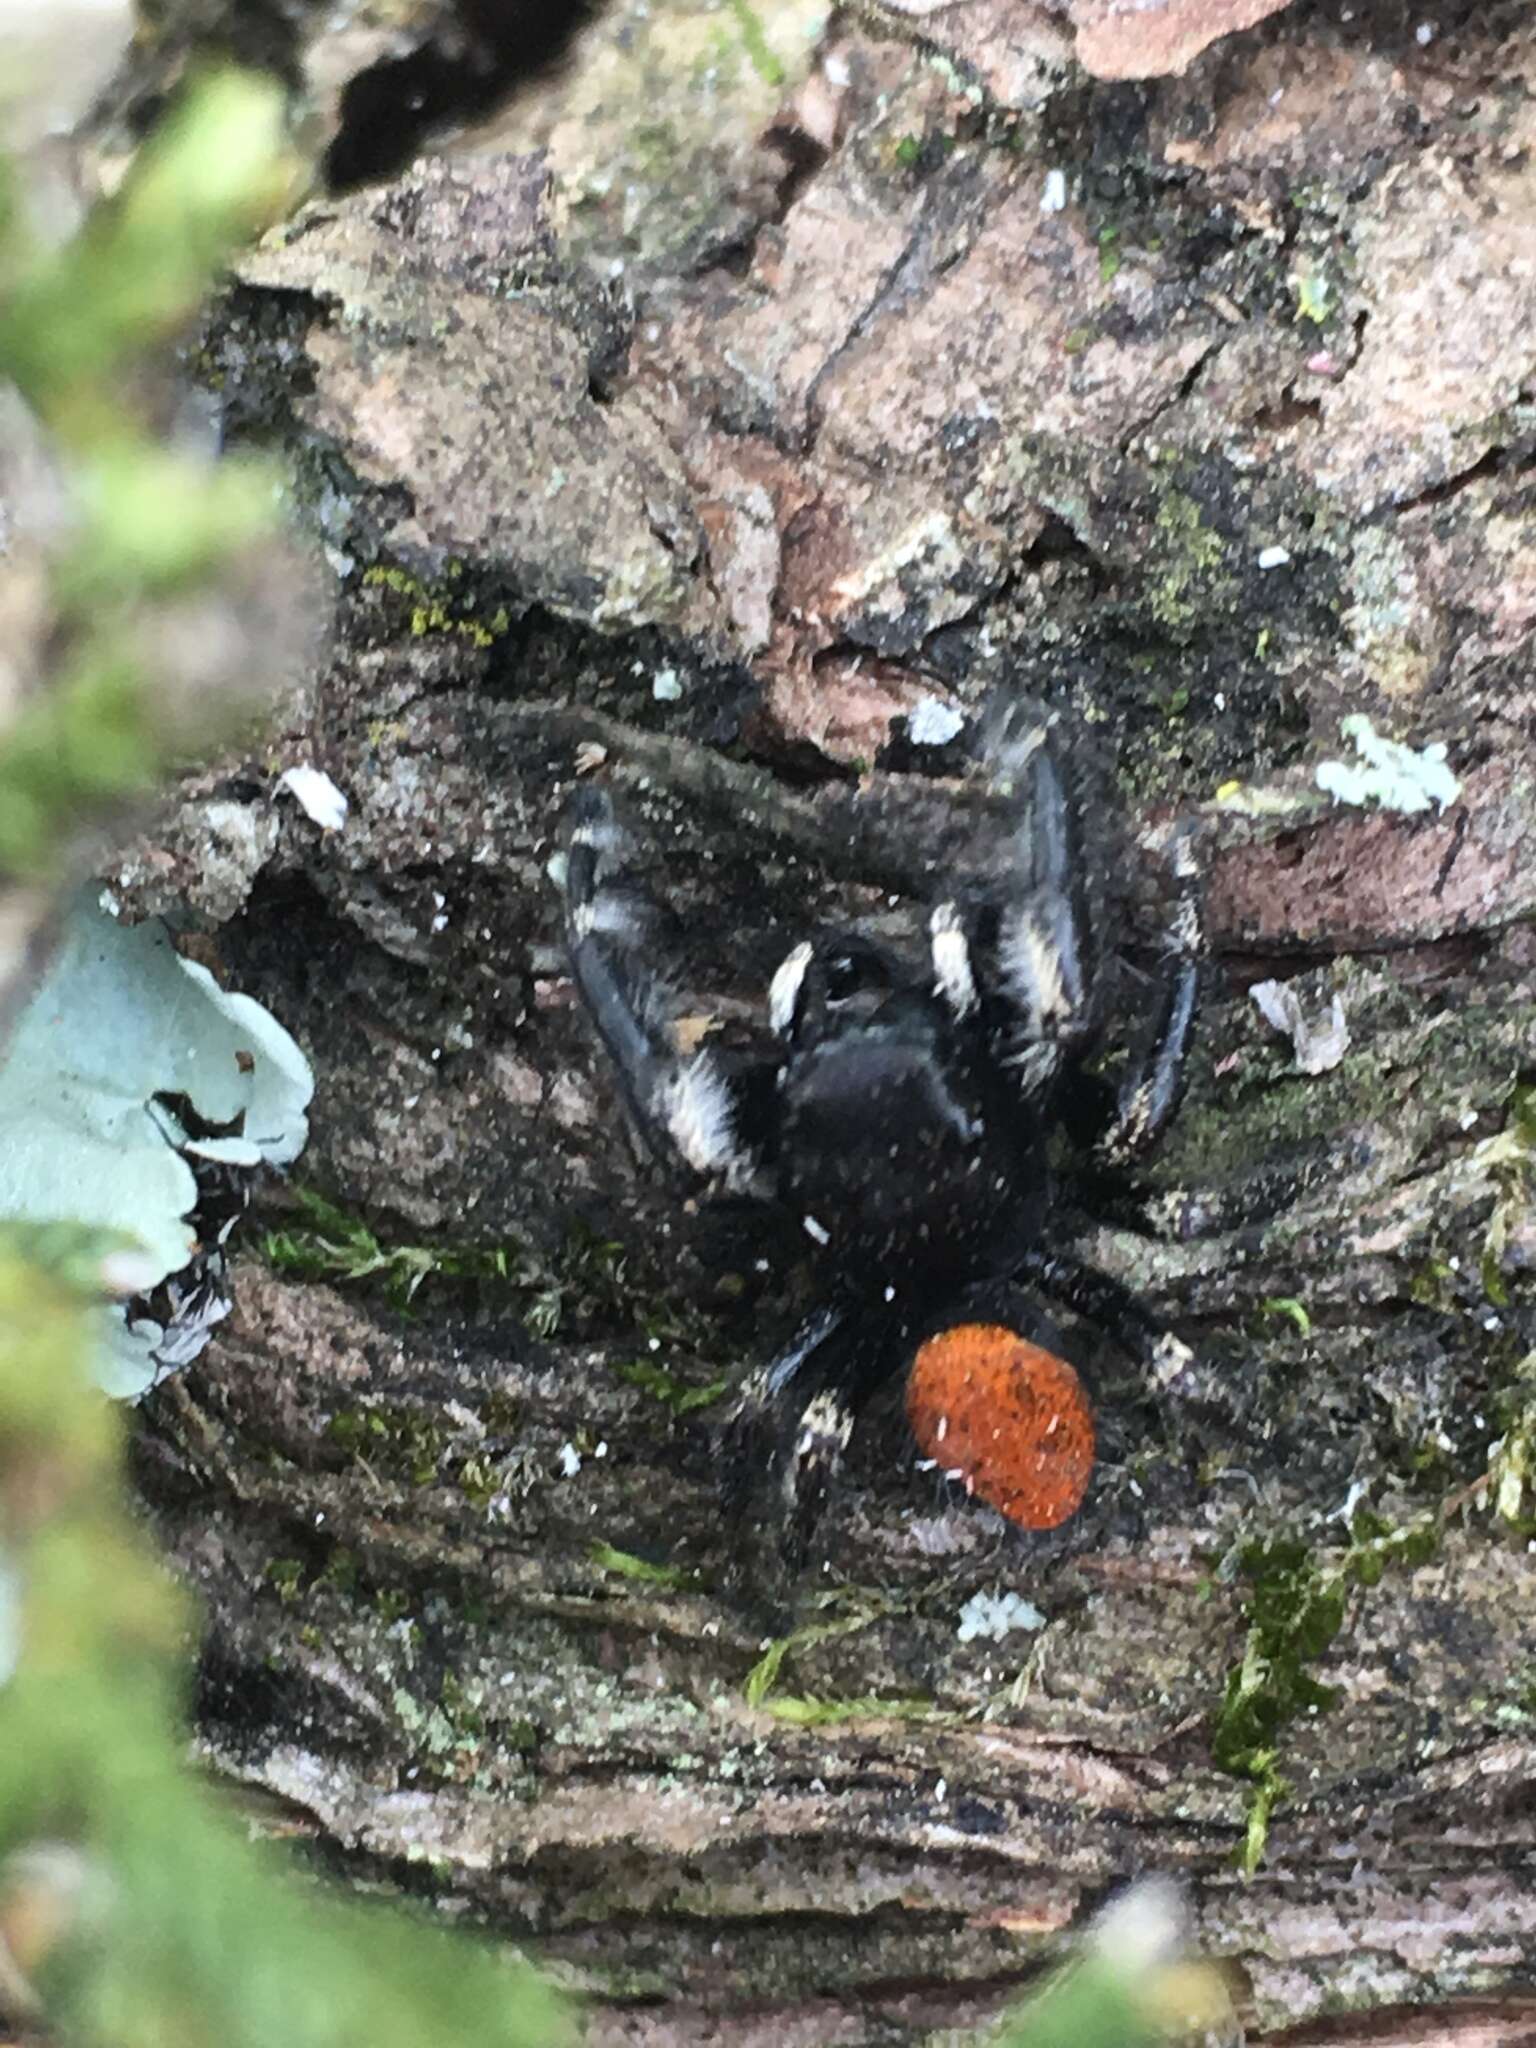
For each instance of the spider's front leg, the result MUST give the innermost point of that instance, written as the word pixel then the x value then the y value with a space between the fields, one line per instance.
pixel 693 1107
pixel 1023 961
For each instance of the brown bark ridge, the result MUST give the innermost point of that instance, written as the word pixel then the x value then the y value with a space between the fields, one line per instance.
pixel 1202 406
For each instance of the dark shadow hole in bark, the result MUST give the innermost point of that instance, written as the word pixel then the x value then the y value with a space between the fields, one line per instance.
pixel 492 47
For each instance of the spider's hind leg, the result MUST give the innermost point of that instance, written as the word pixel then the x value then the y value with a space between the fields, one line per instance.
pixel 1179 1214
pixel 1042 964
pixel 1153 1086
pixel 1168 1362
pixel 793 1421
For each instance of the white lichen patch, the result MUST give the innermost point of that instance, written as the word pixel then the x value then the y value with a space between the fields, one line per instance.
pixel 1320 1042
pixel 933 723
pixel 120 1027
pixel 991 1616
pixel 1397 777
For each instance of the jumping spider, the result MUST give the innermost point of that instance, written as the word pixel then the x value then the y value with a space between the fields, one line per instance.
pixel 911 1116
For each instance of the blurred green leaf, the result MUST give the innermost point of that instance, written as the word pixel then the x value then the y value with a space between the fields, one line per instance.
pixel 1088 2006
pixel 155 520
pixel 188 1933
pixel 209 176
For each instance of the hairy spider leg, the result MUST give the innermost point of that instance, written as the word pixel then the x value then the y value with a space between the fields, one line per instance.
pixel 797 1383
pixel 1030 955
pixel 693 1108
pixel 803 1405
pixel 1116 1310
pixel 1154 1084
pixel 1173 1370
pixel 1149 1098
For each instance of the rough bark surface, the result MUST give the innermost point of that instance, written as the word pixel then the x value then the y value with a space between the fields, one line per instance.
pixel 1202 405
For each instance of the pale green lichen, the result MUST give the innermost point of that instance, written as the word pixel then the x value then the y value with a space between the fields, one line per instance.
pixel 1397 777
pixel 121 1030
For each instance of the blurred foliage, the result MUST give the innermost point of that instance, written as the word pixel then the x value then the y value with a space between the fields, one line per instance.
pixel 133 1909
pixel 1132 1986
pixel 141 522
pixel 75 318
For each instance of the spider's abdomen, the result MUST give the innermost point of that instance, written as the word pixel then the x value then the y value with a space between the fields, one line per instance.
pixel 888 1165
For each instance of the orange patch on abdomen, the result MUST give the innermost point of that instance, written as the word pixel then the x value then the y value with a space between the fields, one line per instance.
pixel 1011 1421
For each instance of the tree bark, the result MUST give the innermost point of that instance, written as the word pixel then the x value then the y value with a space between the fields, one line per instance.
pixel 1203 407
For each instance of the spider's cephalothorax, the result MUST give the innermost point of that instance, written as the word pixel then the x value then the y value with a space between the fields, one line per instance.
pixel 906 1113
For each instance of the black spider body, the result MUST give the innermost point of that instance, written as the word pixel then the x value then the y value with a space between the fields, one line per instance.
pixel 896 1153
pixel 908 1111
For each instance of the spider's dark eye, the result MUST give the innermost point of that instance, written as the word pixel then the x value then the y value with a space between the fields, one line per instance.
pixel 845 976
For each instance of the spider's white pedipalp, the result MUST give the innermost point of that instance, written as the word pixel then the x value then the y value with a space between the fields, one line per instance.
pixel 694 1103
pixel 815 1457
pixel 953 977
pixel 784 989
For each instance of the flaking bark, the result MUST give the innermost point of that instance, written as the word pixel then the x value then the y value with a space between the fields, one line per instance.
pixel 919 437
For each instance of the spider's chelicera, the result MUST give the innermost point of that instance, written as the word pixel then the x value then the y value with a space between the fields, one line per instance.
pixel 910 1112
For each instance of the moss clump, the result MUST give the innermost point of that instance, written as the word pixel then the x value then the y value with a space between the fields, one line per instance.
pixel 404 1438
pixel 285 1576
pixel 331 1245
pixel 625 1565
pixel 861 1608
pixel 806 1711
pixel 1190 578
pixel 447 611
pixel 681 1396
pixel 1294 1608
pixel 1512 1470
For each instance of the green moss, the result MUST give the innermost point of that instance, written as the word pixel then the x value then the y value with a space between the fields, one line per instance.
pixel 341 1570
pixel 1288 1306
pixel 804 1711
pixel 333 1245
pixel 406 1441
pixel 1190 578
pixel 1294 1608
pixel 479 1479
pixel 627 1566
pixel 682 1397
pixel 862 1608
pixel 437 612
pixel 286 1576
pixel 1512 1469
pixel 1508 1158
